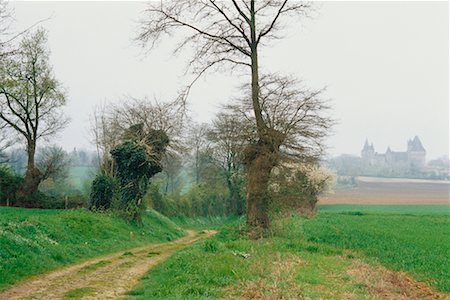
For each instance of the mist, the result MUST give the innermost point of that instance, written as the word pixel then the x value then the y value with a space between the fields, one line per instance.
pixel 385 66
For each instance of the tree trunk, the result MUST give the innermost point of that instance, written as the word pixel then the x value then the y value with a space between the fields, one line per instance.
pixel 260 158
pixel 32 179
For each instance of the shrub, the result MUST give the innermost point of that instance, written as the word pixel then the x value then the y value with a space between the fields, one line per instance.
pixel 296 188
pixel 9 184
pixel 103 189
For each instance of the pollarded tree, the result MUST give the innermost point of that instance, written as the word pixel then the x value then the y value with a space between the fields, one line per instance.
pixel 137 160
pixel 111 122
pixel 299 118
pixel 230 33
pixel 31 100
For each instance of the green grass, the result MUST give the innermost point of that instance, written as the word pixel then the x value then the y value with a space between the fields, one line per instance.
pixel 199 223
pixel 307 258
pixel 33 240
pixel 77 293
pixel 418 244
pixel 222 265
pixel 441 209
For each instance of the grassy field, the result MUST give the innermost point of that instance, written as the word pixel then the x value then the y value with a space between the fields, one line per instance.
pixel 411 238
pixel 33 240
pixel 433 209
pixel 322 257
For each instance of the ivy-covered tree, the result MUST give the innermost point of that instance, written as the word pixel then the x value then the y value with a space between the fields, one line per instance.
pixel 137 160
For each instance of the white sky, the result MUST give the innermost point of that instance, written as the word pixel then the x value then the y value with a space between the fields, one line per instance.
pixel 386 65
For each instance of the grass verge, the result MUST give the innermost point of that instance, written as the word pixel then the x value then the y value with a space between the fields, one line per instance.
pixel 34 241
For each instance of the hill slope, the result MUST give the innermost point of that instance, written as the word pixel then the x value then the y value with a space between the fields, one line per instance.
pixel 34 241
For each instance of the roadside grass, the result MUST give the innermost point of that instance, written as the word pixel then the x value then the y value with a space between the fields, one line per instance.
pixel 305 258
pixel 36 240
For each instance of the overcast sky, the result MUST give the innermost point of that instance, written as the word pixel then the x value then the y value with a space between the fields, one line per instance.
pixel 386 65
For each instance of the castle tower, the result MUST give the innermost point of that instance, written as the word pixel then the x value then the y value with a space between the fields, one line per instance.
pixel 416 153
pixel 368 153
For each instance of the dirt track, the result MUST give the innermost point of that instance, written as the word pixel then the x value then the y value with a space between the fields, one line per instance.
pixel 105 277
pixel 372 190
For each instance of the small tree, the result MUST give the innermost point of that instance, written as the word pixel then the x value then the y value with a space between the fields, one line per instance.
pixel 31 100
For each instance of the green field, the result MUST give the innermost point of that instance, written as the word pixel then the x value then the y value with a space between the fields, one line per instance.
pixel 309 257
pixel 33 240
pixel 301 257
pixel 410 238
pixel 423 209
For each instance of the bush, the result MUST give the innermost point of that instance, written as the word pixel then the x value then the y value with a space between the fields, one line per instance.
pixel 102 193
pixel 9 185
pixel 296 188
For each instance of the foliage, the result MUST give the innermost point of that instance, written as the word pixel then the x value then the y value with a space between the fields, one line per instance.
pixel 201 200
pixel 133 171
pixel 137 160
pixel 103 190
pixel 36 240
pixel 9 184
pixel 295 188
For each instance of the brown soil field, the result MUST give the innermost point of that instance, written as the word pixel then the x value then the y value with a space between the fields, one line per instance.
pixel 372 190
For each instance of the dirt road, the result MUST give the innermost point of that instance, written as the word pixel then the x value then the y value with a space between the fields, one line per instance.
pixel 105 277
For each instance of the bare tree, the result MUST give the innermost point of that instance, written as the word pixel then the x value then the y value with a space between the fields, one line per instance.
pixel 53 162
pixel 31 99
pixel 5 22
pixel 229 33
pixel 200 147
pixel 230 136
pixel 299 114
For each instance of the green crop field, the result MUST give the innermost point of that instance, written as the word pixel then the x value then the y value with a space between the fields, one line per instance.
pixel 309 257
pixel 440 209
pixel 36 240
pixel 412 238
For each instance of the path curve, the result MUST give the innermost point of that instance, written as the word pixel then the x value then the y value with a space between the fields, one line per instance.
pixel 105 277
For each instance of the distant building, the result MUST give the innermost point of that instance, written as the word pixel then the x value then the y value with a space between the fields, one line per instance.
pixel 414 157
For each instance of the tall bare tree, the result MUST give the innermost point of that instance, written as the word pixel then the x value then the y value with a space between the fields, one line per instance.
pixel 31 99
pixel 230 33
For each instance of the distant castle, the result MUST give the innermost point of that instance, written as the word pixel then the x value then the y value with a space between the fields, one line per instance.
pixel 413 157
